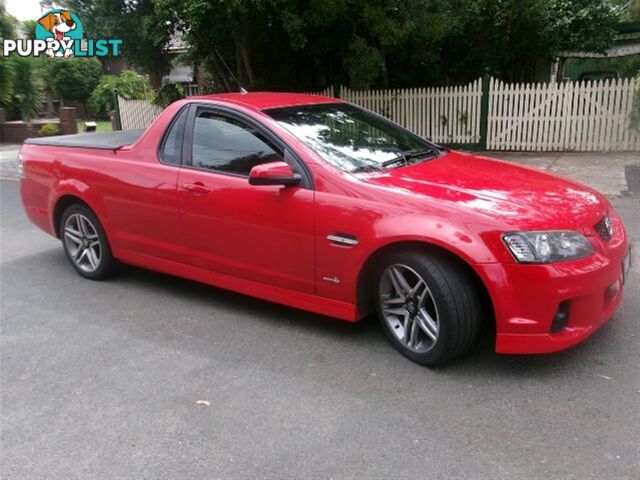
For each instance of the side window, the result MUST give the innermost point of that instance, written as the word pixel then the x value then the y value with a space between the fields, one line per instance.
pixel 226 145
pixel 171 151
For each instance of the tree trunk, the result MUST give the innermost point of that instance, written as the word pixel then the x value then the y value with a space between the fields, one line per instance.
pixel 221 71
pixel 213 55
pixel 219 68
pixel 239 63
pixel 246 61
pixel 50 108
pixel 560 72
pixel 385 70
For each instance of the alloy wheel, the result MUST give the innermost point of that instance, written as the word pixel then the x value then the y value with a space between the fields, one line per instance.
pixel 408 308
pixel 82 242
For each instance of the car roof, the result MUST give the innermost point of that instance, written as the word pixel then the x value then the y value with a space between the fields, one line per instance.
pixel 266 100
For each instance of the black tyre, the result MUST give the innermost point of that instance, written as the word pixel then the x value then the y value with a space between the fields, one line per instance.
pixel 86 244
pixel 427 305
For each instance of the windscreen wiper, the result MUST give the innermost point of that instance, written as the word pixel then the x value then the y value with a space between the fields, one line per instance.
pixel 419 153
pixel 408 155
pixel 366 169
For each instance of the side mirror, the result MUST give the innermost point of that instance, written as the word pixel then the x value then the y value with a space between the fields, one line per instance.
pixel 274 173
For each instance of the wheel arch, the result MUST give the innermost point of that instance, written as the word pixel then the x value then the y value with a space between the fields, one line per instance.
pixel 70 191
pixel 62 203
pixel 365 276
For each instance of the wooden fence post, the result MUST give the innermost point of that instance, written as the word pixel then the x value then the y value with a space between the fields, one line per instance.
pixel 68 120
pixel 116 112
pixel 484 113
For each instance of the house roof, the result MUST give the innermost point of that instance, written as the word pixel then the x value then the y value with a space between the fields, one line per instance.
pixel 627 42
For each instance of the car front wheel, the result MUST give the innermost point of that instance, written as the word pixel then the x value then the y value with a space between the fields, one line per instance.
pixel 427 306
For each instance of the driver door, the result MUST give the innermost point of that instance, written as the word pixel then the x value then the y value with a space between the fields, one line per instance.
pixel 259 233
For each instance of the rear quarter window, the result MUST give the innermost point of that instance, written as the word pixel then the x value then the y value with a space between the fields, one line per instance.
pixel 171 148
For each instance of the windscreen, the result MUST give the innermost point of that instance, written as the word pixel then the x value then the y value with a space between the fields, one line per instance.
pixel 353 139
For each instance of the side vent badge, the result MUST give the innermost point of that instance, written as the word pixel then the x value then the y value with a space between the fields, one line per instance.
pixel 334 280
pixel 343 240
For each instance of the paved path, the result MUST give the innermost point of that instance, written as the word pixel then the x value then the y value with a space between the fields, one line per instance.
pixel 611 173
pixel 8 159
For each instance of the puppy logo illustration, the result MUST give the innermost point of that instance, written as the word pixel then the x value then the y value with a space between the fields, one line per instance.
pixel 62 26
pixel 59 34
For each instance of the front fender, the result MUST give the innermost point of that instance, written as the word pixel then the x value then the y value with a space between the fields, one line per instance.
pixel 474 244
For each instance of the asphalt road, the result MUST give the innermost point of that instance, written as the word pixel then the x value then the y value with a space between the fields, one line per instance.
pixel 101 380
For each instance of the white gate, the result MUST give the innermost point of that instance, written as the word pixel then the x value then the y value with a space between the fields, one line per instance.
pixel 136 114
pixel 578 116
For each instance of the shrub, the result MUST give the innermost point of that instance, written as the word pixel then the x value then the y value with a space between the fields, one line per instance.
pixel 6 81
pixel 28 88
pixel 128 84
pixel 364 64
pixel 49 129
pixel 168 93
pixel 74 78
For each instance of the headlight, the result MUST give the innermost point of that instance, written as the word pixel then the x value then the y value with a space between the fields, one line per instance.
pixel 547 247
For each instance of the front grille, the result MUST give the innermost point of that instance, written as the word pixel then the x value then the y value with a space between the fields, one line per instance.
pixel 603 228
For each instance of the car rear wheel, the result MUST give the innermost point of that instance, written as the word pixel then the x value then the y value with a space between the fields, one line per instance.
pixel 427 306
pixel 85 243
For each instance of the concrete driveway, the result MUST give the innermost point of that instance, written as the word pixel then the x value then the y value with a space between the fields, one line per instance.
pixel 149 376
pixel 611 173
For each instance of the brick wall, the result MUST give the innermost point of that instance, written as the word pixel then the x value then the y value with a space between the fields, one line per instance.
pixel 18 132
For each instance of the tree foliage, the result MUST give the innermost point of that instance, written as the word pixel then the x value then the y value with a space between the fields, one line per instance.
pixel 146 35
pixel 7 23
pixel 7 30
pixel 128 85
pixel 74 78
pixel 585 25
pixel 285 44
pixel 27 93
pixel 632 11
pixel 29 28
pixel 168 93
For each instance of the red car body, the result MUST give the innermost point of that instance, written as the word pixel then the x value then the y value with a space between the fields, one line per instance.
pixel 271 242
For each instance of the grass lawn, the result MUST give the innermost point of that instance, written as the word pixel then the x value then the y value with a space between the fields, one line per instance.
pixel 103 125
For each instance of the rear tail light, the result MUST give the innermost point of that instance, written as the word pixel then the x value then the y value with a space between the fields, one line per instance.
pixel 561 318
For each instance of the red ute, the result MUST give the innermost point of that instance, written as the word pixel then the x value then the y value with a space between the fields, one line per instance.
pixel 314 203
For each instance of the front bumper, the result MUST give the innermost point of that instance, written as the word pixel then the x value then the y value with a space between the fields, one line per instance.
pixel 526 298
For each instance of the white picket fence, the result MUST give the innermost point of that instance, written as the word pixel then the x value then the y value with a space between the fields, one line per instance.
pixel 135 114
pixel 327 92
pixel 572 116
pixel 441 114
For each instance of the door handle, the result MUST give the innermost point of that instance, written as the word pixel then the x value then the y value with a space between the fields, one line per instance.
pixel 197 188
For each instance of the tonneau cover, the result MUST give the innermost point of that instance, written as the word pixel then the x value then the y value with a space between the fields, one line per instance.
pixel 102 141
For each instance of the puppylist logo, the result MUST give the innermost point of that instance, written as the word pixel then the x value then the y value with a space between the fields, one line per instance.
pixel 59 34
